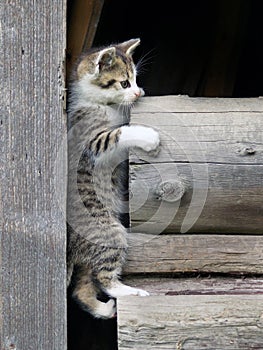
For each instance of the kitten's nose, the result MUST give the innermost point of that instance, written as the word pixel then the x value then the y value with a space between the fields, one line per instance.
pixel 139 93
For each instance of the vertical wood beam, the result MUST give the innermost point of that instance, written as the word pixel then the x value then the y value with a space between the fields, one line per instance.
pixel 83 19
pixel 32 175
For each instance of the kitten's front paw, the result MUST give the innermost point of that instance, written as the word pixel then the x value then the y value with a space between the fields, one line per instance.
pixel 150 141
pixel 139 136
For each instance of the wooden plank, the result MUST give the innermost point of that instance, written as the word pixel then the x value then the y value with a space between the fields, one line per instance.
pixel 215 137
pixel 222 322
pixel 199 198
pixel 204 130
pixel 33 176
pixel 93 23
pixel 82 24
pixel 197 285
pixel 185 104
pixel 210 164
pixel 229 254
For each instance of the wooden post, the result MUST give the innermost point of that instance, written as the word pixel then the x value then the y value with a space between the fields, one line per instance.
pixel 83 19
pixel 33 176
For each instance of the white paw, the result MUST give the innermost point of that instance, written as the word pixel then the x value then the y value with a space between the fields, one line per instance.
pixel 121 290
pixel 141 292
pixel 150 141
pixel 106 310
pixel 140 136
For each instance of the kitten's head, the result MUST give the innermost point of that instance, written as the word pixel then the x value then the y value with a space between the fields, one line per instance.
pixel 108 75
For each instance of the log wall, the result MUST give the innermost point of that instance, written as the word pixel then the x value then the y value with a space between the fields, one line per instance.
pixel 207 175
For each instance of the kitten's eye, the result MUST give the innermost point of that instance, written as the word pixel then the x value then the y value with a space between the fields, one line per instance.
pixel 125 84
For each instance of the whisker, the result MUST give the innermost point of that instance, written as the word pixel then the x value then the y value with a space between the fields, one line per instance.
pixel 125 108
pixel 144 60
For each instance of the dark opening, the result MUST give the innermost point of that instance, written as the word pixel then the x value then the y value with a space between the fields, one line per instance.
pixel 198 48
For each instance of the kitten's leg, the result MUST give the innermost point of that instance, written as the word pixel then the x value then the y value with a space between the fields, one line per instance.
pixel 139 136
pixel 107 269
pixel 114 288
pixel 85 293
pixel 124 137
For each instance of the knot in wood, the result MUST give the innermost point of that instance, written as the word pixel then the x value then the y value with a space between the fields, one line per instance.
pixel 247 151
pixel 170 191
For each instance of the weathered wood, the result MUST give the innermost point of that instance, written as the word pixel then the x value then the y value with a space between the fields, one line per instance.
pixel 228 198
pixel 211 157
pixel 197 285
pixel 180 104
pixel 222 322
pixel 227 137
pixel 83 20
pixel 33 176
pixel 235 254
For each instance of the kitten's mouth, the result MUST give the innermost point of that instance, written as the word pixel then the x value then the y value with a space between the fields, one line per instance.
pixel 137 96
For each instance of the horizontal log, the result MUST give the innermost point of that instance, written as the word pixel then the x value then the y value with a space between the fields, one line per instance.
pixel 197 285
pixel 207 175
pixel 183 103
pixel 232 254
pixel 202 198
pixel 221 322
pixel 222 137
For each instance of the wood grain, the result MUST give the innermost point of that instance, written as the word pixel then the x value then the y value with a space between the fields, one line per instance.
pixel 183 103
pixel 33 176
pixel 229 254
pixel 197 285
pixel 213 147
pixel 221 322
pixel 84 16
pixel 228 198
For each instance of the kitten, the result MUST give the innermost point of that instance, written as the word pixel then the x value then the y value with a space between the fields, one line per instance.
pixel 98 139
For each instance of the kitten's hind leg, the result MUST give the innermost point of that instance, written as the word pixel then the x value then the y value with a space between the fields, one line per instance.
pixel 107 277
pixel 85 293
pixel 111 285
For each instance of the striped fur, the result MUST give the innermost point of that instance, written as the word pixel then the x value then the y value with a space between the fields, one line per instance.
pixel 98 138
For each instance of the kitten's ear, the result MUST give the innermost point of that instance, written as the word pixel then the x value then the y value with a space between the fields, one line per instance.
pixel 129 46
pixel 105 58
